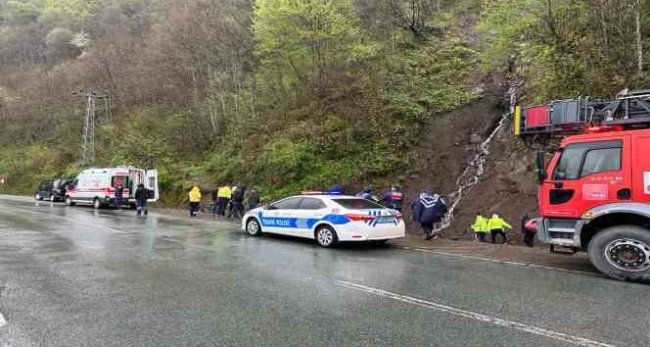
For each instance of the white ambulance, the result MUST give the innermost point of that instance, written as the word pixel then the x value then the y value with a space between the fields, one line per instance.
pixel 97 186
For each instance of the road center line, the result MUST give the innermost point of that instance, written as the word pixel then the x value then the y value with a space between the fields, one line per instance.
pixel 576 340
pixel 501 261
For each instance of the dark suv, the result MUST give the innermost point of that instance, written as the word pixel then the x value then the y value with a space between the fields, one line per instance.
pixel 52 190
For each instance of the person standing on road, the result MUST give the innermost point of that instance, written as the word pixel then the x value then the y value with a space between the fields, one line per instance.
pixel 214 197
pixel 497 226
pixel 223 195
pixel 119 192
pixel 195 200
pixel 237 202
pixel 253 198
pixel 480 227
pixel 141 196
pixel 429 209
pixel 393 198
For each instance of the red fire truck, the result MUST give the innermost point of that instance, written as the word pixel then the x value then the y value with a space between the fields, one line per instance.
pixel 594 194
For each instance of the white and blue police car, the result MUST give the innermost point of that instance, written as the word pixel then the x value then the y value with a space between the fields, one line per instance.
pixel 328 219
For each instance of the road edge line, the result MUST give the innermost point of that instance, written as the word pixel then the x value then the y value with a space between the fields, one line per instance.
pixel 576 340
pixel 506 262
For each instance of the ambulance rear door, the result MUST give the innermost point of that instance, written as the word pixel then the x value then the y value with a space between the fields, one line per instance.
pixel 152 184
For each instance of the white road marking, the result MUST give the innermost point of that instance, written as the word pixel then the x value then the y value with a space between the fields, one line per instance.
pixel 502 261
pixel 3 321
pixel 576 340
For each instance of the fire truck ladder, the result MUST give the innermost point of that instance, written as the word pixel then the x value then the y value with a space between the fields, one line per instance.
pixel 629 110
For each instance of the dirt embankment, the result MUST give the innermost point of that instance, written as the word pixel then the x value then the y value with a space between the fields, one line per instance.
pixel 448 144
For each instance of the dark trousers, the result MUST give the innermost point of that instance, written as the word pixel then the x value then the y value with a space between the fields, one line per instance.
pixel 495 232
pixel 141 207
pixel 118 202
pixel 215 207
pixel 222 205
pixel 427 228
pixel 194 208
pixel 529 238
pixel 236 209
pixel 480 237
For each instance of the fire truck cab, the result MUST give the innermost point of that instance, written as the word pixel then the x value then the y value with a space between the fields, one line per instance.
pixel 594 195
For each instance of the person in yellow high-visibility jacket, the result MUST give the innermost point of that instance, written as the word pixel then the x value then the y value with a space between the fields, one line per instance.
pixel 195 200
pixel 480 227
pixel 497 225
pixel 224 193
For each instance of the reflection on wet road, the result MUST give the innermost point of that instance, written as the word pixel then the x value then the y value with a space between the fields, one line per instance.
pixel 72 276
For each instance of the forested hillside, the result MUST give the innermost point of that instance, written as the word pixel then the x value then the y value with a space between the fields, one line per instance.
pixel 285 94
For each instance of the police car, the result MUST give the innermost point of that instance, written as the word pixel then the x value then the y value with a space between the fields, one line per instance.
pixel 328 219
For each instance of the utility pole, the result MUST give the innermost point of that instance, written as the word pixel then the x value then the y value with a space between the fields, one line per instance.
pixel 88 138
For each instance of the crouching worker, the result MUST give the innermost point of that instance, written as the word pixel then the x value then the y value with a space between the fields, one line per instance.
pixel 141 197
pixel 480 227
pixel 497 226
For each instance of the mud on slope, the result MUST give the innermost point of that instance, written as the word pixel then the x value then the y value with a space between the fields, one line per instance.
pixel 449 142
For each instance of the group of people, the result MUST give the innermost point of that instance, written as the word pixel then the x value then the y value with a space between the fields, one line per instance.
pixel 494 225
pixel 227 201
pixel 429 208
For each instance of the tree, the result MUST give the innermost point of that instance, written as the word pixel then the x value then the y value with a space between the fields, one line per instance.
pixel 303 43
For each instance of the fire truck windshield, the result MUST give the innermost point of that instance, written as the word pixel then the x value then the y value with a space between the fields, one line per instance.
pixel 583 159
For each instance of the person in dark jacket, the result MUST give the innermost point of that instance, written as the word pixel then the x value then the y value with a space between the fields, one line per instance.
pixel 393 198
pixel 253 198
pixel 141 196
pixel 237 202
pixel 428 209
pixel 119 192
pixel 214 197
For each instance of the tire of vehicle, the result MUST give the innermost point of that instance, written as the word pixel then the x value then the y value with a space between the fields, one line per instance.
pixel 38 197
pixel 378 242
pixel 52 199
pixel 68 201
pixel 132 206
pixel 97 204
pixel 326 236
pixel 622 253
pixel 253 227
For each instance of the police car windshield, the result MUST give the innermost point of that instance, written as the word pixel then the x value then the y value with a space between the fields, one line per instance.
pixel 357 204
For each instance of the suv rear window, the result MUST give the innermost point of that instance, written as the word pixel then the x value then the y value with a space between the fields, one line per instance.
pixel 357 204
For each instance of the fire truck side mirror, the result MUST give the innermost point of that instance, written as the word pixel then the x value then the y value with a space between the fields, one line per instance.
pixel 541 166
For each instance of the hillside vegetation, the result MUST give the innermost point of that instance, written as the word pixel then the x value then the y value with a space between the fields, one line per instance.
pixel 284 94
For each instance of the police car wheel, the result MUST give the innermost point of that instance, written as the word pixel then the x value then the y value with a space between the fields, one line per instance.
pixel 52 198
pixel 622 253
pixel 253 227
pixel 38 197
pixel 326 236
pixel 97 204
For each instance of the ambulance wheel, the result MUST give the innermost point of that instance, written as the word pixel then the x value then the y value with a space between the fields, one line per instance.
pixel 68 201
pixel 97 204
pixel 326 236
pixel 622 253
pixel 38 197
pixel 253 227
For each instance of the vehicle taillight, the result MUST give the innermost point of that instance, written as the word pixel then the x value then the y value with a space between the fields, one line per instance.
pixel 399 215
pixel 359 217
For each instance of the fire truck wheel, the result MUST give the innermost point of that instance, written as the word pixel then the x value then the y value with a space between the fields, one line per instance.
pixel 622 253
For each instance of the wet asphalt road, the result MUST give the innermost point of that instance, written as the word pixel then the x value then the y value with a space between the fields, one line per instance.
pixel 77 277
